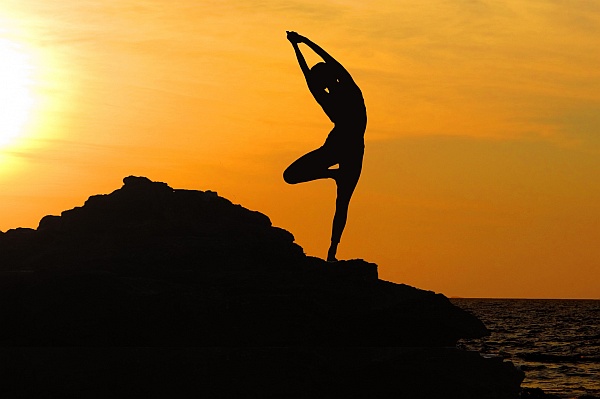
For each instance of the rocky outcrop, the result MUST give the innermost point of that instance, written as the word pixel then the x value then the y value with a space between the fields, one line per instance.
pixel 151 266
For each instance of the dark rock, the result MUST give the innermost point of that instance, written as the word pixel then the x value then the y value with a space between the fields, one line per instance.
pixel 20 233
pixel 280 372
pixel 49 223
pixel 152 266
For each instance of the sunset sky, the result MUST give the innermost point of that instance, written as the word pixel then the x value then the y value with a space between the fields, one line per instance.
pixel 482 162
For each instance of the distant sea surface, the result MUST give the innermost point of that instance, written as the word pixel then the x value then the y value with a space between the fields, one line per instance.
pixel 555 342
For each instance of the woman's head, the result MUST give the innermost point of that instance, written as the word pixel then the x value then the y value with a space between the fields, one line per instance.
pixel 324 75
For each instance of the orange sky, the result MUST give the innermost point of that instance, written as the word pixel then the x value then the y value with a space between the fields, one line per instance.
pixel 482 151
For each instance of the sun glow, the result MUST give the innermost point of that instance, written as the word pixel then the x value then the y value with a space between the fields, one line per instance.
pixel 16 97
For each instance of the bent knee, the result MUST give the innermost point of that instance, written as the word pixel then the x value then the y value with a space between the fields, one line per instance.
pixel 290 177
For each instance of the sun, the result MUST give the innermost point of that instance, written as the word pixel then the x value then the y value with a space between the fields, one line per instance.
pixel 16 97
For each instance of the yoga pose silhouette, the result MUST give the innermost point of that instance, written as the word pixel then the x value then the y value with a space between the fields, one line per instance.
pixel 341 99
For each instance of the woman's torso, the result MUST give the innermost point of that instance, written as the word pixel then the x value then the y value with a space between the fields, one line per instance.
pixel 346 109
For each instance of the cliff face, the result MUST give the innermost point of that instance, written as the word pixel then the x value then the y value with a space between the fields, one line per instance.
pixel 151 266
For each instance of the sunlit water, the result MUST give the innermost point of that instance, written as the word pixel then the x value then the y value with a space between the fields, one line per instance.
pixel 556 342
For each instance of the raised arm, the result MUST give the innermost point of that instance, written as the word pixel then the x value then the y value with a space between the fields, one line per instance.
pixel 344 74
pixel 322 84
pixel 295 38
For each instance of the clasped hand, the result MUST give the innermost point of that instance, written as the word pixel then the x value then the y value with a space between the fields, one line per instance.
pixel 294 37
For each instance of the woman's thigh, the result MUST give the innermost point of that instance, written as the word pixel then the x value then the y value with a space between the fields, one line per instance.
pixel 349 173
pixel 310 166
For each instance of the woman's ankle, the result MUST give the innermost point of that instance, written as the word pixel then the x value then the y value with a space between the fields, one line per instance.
pixel 332 252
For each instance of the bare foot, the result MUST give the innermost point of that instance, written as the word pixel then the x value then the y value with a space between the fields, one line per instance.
pixel 331 253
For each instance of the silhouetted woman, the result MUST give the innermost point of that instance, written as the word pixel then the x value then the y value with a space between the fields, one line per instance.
pixel 341 99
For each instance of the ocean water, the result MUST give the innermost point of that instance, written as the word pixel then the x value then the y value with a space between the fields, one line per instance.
pixel 555 342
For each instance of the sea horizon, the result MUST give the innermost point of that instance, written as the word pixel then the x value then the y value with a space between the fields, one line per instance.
pixel 555 342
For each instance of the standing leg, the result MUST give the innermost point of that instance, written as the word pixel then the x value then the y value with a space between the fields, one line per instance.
pixel 349 173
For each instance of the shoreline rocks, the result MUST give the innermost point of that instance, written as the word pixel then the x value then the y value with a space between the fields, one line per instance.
pixel 156 267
